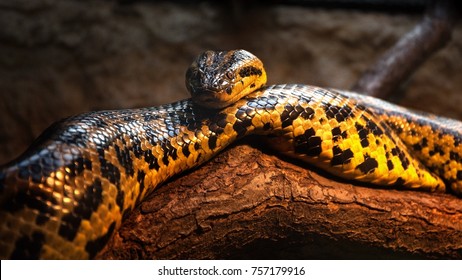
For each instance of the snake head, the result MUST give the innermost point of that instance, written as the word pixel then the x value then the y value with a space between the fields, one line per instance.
pixel 217 79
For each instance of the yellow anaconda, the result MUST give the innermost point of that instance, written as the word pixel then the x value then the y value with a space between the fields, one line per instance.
pixel 68 193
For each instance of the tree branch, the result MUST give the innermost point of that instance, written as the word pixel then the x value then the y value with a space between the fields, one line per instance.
pixel 248 204
pixel 399 62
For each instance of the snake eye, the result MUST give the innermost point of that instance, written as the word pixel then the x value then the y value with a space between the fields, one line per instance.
pixel 230 75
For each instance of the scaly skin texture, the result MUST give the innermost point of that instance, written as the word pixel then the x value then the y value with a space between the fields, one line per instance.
pixel 434 140
pixel 70 191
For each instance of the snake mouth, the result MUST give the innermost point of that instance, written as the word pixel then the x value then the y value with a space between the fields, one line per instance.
pixel 209 100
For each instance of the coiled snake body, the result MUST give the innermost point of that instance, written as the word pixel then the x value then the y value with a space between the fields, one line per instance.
pixel 66 195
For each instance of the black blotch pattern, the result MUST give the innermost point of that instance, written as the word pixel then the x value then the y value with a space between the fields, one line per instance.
pixel 368 166
pixel 86 205
pixel 28 248
pixel 417 147
pixel 173 152
pixel 454 156
pixel 314 144
pixel 336 133
pixel 120 198
pixel 291 113
pixel 187 118
pixel 396 128
pixel 308 143
pixel 285 116
pixel 80 165
pixel 344 113
pixel 140 178
pixel 242 123
pixel 362 132
pixel 339 113
pixel 123 156
pixel 69 226
pixel 360 107
pixel 249 71
pixel 33 198
pixel 220 120
pixel 109 171
pixel 151 160
pixel 341 157
pixel 309 133
pixel 331 111
pixel 457 142
pixel 364 142
pixel 424 142
pixel 402 157
pixel 214 127
pixel 137 151
pixel 437 149
pixel 94 246
pixel 212 141
pixel 169 150
pixel 374 128
pixel 404 160
pixel 336 150
pixel 390 165
pixel 399 182
pixel 185 150
pixel 307 113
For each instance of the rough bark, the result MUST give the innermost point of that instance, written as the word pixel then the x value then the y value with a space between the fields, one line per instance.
pixel 249 204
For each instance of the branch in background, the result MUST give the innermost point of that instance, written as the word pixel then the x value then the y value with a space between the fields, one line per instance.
pixel 398 63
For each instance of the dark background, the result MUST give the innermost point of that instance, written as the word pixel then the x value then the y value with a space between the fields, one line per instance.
pixel 64 57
